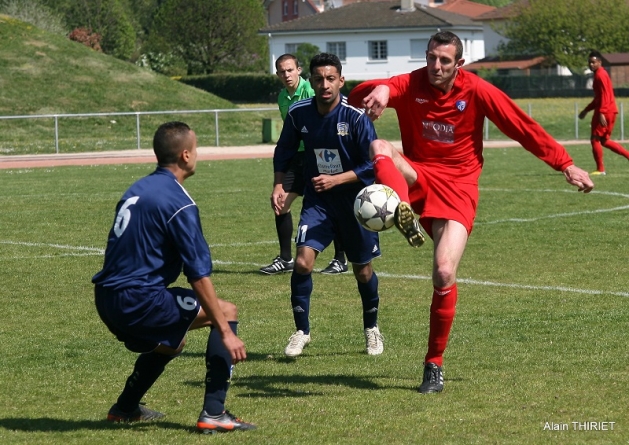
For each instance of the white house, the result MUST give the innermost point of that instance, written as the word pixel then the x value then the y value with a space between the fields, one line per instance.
pixel 375 39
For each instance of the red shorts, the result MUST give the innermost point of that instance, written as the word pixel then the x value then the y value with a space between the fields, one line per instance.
pixel 599 130
pixel 436 196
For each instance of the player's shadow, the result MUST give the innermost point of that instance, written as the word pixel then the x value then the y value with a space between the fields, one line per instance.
pixel 51 424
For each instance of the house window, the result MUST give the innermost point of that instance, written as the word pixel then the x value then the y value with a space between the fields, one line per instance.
pixel 337 48
pixel 418 48
pixel 295 7
pixel 285 8
pixel 377 50
pixel 291 48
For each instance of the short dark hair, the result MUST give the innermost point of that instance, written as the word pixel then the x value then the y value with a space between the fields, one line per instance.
pixel 284 57
pixel 326 59
pixel 167 142
pixel 448 38
pixel 596 54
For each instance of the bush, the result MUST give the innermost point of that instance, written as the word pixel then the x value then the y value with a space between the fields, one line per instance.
pixel 251 88
pixel 30 11
pixel 246 88
pixel 86 37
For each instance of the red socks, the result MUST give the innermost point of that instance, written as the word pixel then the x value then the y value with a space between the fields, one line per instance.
pixel 597 152
pixel 442 312
pixel 386 173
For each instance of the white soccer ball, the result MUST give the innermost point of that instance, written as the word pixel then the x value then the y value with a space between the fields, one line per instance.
pixel 375 206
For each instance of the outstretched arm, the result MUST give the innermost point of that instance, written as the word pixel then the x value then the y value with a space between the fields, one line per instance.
pixel 579 178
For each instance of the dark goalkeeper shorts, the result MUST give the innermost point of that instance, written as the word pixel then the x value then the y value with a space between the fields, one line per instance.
pixel 294 178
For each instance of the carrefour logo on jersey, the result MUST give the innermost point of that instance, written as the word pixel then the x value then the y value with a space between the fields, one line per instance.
pixel 328 161
pixel 438 131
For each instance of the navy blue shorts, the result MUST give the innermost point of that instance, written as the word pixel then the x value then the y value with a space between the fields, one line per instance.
pixel 294 181
pixel 325 216
pixel 143 318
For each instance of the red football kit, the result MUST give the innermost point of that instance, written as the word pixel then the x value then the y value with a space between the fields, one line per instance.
pixel 604 103
pixel 442 138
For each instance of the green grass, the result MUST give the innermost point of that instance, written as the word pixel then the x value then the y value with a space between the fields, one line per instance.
pixel 540 332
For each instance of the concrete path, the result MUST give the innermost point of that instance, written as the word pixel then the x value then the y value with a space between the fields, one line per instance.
pixel 137 156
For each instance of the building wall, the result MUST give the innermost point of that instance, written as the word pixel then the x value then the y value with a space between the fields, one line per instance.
pixel 492 39
pixel 357 65
pixel 619 75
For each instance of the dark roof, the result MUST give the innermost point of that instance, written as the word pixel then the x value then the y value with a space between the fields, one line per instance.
pixel 376 15
pixel 616 58
pixel 495 63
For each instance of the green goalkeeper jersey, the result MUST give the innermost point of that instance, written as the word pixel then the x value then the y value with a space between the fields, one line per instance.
pixel 284 100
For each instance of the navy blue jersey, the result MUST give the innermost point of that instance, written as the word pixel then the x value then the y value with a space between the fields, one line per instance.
pixel 334 143
pixel 156 232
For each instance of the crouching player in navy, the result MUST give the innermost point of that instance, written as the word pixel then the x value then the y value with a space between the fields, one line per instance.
pixel 336 141
pixel 157 232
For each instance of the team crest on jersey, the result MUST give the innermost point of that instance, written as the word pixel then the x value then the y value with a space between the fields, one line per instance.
pixel 342 128
pixel 460 105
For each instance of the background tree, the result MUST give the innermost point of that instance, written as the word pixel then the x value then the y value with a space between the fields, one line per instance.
pixel 211 36
pixel 566 30
pixel 112 19
pixel 304 53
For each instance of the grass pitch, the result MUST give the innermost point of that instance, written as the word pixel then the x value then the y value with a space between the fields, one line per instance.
pixel 538 347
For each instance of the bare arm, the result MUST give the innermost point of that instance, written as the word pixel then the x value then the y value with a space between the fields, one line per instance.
pixel 204 289
pixel 579 178
pixel 323 183
pixel 278 195
pixel 376 101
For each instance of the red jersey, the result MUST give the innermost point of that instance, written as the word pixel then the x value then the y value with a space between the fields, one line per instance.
pixel 604 101
pixel 444 131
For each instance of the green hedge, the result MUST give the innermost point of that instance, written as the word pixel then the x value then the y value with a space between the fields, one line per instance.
pixel 245 88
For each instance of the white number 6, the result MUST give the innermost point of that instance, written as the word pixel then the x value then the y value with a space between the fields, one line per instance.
pixel 187 303
pixel 124 215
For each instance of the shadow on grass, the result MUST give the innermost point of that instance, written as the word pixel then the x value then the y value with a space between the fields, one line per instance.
pixel 297 385
pixel 51 424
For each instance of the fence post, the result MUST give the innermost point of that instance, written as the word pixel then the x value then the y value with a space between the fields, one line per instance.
pixel 137 127
pixel 216 125
pixel 56 134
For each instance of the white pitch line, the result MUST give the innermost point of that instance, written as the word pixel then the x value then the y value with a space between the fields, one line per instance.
pixel 57 246
pixel 510 285
pixel 470 281
pixel 33 257
pixel 556 215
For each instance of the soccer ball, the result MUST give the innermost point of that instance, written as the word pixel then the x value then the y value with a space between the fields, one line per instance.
pixel 374 207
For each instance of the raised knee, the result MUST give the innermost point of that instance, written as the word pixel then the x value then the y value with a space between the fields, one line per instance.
pixel 230 310
pixel 380 147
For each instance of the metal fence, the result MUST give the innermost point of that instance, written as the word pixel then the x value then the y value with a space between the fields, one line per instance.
pixel 137 114
pixel 490 133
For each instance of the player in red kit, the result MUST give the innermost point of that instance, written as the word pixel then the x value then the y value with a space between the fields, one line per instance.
pixel 441 109
pixel 605 112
